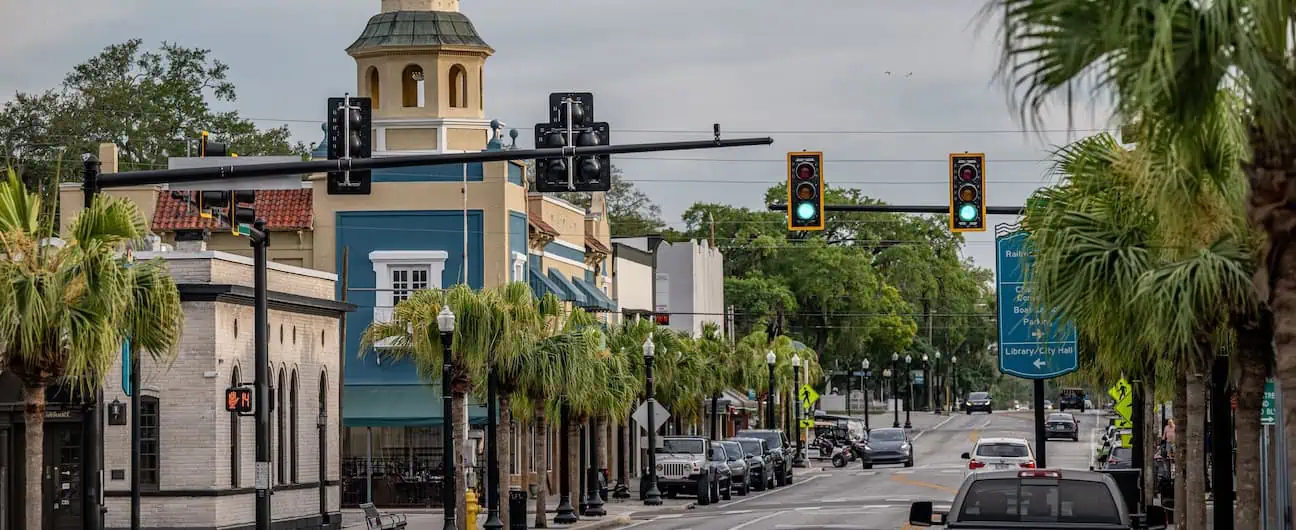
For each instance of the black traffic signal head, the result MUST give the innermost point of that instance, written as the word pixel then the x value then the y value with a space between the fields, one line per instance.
pixel 590 172
pixel 350 135
pixel 967 192
pixel 805 206
pixel 582 109
pixel 207 148
pixel 208 200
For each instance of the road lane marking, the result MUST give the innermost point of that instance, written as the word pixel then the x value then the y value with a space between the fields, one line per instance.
pixel 911 482
pixel 865 473
pixel 904 472
pixel 808 508
pixel 937 426
pixel 803 481
pixel 757 520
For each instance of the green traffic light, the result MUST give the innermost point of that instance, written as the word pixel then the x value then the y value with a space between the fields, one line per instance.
pixel 805 211
pixel 967 213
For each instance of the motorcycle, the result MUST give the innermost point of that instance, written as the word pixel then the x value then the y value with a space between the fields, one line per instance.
pixel 844 453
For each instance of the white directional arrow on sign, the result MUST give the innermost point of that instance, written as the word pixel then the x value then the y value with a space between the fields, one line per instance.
pixel 1039 363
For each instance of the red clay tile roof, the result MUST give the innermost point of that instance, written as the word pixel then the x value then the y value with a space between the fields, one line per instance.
pixel 597 246
pixel 281 209
pixel 541 225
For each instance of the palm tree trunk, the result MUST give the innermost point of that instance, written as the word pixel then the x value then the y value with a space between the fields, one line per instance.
pixel 715 415
pixel 1151 433
pixel 541 438
pixel 34 418
pixel 1250 388
pixel 459 423
pixel 1180 442
pixel 1195 455
pixel 573 470
pixel 503 447
pixel 603 447
pixel 524 454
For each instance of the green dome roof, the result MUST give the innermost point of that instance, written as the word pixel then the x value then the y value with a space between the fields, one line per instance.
pixel 402 29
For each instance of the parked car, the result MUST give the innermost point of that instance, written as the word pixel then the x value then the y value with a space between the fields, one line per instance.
pixel 1062 425
pixel 1038 498
pixel 1118 458
pixel 978 401
pixel 735 457
pixel 1071 398
pixel 992 454
pixel 779 450
pixel 760 475
pixel 687 464
pixel 888 445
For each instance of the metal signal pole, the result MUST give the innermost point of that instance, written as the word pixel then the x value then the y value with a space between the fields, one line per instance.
pixel 260 241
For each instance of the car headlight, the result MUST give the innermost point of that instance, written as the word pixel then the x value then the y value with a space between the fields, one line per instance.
pixel 660 467
pixel 904 446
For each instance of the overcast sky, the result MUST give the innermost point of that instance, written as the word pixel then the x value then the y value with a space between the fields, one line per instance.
pixel 886 88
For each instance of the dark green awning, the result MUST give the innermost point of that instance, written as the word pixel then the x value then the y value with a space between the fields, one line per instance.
pixel 397 406
pixel 540 285
pixel 569 291
pixel 595 295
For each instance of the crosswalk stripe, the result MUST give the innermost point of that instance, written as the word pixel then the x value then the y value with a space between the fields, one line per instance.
pixel 904 472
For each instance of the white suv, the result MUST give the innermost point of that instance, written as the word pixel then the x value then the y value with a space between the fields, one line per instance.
pixel 996 454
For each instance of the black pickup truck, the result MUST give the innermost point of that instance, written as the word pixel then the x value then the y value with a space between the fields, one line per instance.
pixel 1043 499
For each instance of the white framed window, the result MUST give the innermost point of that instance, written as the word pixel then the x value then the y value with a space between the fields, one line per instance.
pixel 519 267
pixel 398 273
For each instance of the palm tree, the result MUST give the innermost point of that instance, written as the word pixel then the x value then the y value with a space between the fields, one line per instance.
pixel 716 353
pixel 1103 235
pixel 1165 63
pixel 66 308
pixel 412 333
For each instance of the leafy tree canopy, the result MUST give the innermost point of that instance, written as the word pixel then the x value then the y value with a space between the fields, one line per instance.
pixel 148 102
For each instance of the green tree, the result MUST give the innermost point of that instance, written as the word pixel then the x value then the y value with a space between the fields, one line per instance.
pixel 148 102
pixel 66 307
pixel 630 211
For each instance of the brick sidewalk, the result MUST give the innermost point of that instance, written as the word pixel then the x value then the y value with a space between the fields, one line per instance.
pixel 618 513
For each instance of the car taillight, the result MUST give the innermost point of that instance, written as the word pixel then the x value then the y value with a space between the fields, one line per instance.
pixel 1028 465
pixel 975 465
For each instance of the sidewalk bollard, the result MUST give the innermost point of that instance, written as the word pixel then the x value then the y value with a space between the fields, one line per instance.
pixel 471 507
pixel 517 509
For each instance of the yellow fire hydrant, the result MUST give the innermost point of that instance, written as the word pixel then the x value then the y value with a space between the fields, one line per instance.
pixel 471 507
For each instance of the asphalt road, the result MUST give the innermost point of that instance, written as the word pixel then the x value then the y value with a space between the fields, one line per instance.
pixel 852 497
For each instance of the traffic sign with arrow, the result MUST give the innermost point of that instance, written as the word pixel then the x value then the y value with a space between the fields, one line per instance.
pixel 807 423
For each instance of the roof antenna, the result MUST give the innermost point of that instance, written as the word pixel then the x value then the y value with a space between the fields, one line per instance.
pixel 715 128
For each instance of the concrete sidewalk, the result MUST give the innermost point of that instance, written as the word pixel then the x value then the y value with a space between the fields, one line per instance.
pixel 619 513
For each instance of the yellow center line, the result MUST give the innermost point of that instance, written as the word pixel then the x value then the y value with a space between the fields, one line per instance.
pixel 974 435
pixel 905 480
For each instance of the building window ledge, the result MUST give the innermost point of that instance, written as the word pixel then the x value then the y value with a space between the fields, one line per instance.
pixel 398 273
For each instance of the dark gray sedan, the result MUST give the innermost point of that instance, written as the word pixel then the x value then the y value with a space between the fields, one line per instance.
pixel 887 446
pixel 1062 425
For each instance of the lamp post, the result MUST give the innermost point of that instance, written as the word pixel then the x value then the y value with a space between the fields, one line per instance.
pixel 566 513
pixel 446 325
pixel 799 460
pixel 927 382
pixel 953 375
pixel 908 389
pixel 894 376
pixel 939 389
pixel 864 390
pixel 652 497
pixel 769 404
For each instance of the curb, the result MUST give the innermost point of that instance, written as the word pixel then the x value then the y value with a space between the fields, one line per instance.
pixel 606 522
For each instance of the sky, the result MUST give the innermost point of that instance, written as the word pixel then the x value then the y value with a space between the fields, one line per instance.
pixel 885 88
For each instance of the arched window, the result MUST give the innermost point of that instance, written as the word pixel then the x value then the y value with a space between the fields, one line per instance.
pixel 375 88
pixel 292 428
pixel 283 446
pixel 235 437
pixel 458 79
pixel 412 86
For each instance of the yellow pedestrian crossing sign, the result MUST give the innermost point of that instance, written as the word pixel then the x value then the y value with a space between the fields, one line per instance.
pixel 1121 391
pixel 1123 423
pixel 808 396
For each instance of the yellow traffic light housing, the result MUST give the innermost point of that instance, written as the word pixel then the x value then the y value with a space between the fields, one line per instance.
pixel 967 192
pixel 805 184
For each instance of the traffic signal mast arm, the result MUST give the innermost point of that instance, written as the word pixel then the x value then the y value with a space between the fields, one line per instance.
pixel 902 208
pixel 161 176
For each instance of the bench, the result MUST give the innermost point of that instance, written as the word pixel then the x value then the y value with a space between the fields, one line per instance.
pixel 376 520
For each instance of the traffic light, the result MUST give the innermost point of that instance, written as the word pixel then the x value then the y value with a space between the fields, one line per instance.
pixel 967 192
pixel 207 148
pixel 589 173
pixel 238 212
pixel 239 399
pixel 350 136
pixel 805 205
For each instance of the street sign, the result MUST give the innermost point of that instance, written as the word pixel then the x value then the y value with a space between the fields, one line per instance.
pixel 1030 346
pixel 660 415
pixel 1268 404
pixel 1122 423
pixel 917 377
pixel 239 399
pixel 808 396
pixel 807 423
pixel 1121 391
pixel 1127 440
pixel 282 182
pixel 1125 409
pixel 126 366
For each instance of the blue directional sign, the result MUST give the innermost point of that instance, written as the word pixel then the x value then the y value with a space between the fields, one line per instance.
pixel 126 367
pixel 1030 346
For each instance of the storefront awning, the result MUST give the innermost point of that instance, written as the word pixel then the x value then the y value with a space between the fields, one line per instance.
pixel 540 285
pixel 600 299
pixel 397 406
pixel 569 292
pixel 730 398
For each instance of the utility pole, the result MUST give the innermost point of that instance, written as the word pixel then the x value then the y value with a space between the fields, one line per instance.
pixel 260 241
pixel 92 501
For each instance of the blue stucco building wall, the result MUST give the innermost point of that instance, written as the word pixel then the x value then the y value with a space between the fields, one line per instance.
pixel 517 228
pixel 363 232
pixel 441 173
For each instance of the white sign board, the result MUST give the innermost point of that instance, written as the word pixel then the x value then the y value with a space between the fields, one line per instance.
pixel 661 292
pixel 281 182
pixel 660 415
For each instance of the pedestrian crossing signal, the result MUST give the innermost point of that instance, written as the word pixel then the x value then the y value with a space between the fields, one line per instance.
pixel 238 399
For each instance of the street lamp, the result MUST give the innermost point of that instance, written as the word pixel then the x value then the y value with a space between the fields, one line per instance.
pixel 769 404
pixel 566 513
pixel 939 389
pixel 927 380
pixel 895 391
pixel 908 389
pixel 864 389
pixel 652 497
pixel 446 324
pixel 799 460
pixel 954 383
